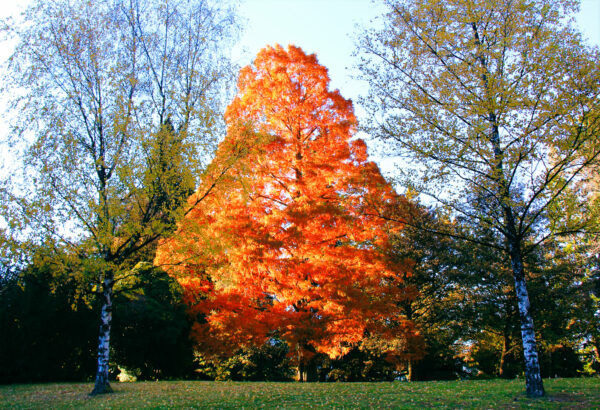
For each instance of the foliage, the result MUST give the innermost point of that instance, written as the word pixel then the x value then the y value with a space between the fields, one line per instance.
pixel 441 306
pixel 361 364
pixel 150 336
pixel 48 323
pixel 268 362
pixel 11 259
pixel 577 257
pixel 118 105
pixel 493 107
pixel 561 361
pixel 507 61
pixel 466 309
pixel 463 293
pixel 442 360
pixel 293 243
pixel 577 393
pixel 48 318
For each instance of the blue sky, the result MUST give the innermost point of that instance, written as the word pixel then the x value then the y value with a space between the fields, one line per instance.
pixel 329 27
pixel 326 27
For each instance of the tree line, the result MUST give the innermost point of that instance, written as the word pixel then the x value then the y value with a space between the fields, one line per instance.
pixel 465 309
pixel 282 248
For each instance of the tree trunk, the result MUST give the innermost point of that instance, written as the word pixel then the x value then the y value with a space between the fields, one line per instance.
pixel 102 385
pixel 533 378
pixel 409 374
pixel 508 344
pixel 596 345
pixel 505 350
pixel 301 372
pixel 300 364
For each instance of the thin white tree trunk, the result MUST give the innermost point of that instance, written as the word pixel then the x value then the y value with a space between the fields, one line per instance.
pixel 533 378
pixel 101 384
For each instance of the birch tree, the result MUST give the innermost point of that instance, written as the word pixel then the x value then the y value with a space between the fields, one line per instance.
pixel 118 105
pixel 493 108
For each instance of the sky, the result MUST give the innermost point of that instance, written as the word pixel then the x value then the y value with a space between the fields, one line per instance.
pixel 325 27
pixel 330 28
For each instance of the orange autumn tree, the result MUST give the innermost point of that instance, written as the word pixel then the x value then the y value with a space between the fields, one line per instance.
pixel 291 244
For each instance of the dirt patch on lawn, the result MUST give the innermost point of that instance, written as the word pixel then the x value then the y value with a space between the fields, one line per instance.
pixel 569 400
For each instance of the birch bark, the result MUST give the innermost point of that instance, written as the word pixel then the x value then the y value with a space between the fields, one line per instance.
pixel 102 384
pixel 533 378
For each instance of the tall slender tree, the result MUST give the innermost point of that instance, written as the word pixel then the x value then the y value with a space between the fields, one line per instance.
pixel 493 104
pixel 293 245
pixel 118 103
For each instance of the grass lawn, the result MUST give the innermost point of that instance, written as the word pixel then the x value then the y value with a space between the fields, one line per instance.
pixel 561 393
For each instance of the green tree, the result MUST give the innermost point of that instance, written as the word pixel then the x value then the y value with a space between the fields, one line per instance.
pixel 267 362
pixel 47 315
pixel 568 300
pixel 464 295
pixel 466 305
pixel 118 104
pixel 494 104
pixel 151 326
pixel 366 362
pixel 581 253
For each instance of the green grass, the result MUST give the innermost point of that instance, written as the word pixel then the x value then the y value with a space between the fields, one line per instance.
pixel 561 393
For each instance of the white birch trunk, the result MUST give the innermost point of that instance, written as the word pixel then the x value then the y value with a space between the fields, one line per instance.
pixel 101 384
pixel 533 378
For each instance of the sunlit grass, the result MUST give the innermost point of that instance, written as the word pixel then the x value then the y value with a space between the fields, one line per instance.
pixel 562 393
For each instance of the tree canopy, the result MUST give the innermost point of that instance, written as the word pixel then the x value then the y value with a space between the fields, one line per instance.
pixel 118 105
pixel 494 107
pixel 293 245
pixel 266 232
